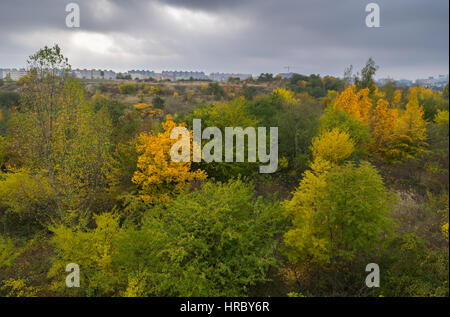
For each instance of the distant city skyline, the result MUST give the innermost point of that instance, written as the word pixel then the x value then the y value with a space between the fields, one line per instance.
pixel 378 78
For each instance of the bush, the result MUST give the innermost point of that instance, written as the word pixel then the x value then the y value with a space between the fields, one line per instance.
pixel 218 241
pixel 158 102
pixel 127 89
pixel 413 269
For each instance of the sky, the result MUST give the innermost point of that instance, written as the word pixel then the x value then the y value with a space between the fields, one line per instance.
pixel 240 36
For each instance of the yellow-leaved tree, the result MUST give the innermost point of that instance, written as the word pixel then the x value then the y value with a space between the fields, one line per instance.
pixel 356 104
pixel 93 250
pixel 397 100
pixel 330 196
pixel 306 240
pixel 410 132
pixel 384 122
pixel 157 175
pixel 333 146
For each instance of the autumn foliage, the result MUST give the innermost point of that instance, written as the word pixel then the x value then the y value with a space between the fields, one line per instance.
pixel 157 175
pixel 87 177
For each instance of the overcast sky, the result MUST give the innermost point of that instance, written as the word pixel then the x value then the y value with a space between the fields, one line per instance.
pixel 248 36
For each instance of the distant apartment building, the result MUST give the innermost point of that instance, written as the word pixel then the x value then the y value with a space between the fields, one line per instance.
pixel 383 81
pixel 13 73
pixel 404 82
pixel 109 74
pixel 141 74
pixel 424 82
pixel 82 73
pixel 183 75
pixel 434 82
pixel 93 74
pixel 225 76
pixel 16 74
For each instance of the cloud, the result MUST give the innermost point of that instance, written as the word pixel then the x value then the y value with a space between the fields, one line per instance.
pixel 314 36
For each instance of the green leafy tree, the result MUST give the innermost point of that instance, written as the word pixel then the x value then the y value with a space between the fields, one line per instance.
pixel 357 129
pixel 58 136
pixel 367 76
pixel 217 241
pixel 93 251
pixel 337 213
pixel 234 113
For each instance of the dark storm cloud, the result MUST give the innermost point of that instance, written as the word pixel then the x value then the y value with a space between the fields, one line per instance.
pixel 315 36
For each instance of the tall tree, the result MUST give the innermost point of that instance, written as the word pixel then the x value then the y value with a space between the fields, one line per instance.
pixel 58 135
pixel 367 75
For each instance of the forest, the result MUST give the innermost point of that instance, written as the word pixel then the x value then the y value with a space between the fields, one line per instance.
pixel 86 177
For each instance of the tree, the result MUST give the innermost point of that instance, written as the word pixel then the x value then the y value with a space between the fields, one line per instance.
pixel 58 136
pixel 214 89
pixel 217 241
pixel 358 130
pixel 348 75
pixel 158 176
pixel 114 108
pixel 410 133
pixel 445 92
pixel 8 252
pixel 357 105
pixel 265 77
pixel 93 250
pixel 431 101
pixel 367 74
pixel 333 146
pixel 249 92
pixel 384 122
pixel 337 214
pixel 234 113
pixel 29 195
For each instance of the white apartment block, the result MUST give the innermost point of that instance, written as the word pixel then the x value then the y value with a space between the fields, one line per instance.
pixel 225 76
pixel 13 73
pixel 93 74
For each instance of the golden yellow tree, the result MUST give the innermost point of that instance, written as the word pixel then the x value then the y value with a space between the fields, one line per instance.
pixel 396 103
pixel 384 121
pixel 357 105
pixel 284 94
pixel 158 176
pixel 410 132
pixel 333 146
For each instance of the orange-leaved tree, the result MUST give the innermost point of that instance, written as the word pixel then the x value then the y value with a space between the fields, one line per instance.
pixel 384 122
pixel 356 104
